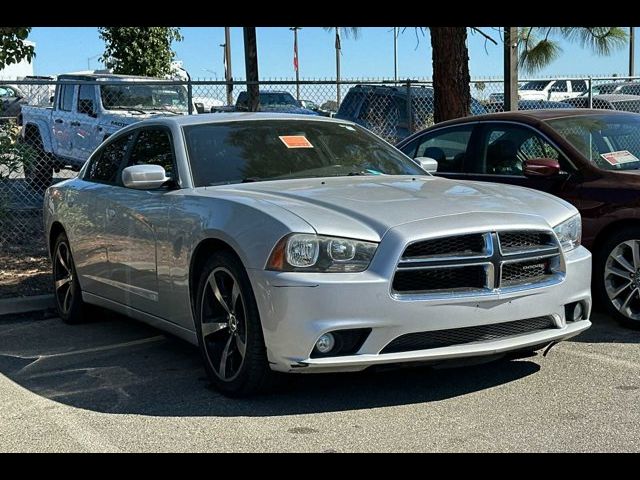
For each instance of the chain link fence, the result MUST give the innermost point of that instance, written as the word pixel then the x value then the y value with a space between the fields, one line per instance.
pixel 46 137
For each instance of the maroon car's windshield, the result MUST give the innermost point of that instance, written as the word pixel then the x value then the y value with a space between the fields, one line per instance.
pixel 612 142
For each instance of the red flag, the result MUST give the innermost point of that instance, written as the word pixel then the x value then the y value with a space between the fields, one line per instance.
pixel 295 53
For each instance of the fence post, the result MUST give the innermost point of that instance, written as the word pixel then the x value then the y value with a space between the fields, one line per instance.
pixel 589 83
pixel 190 96
pixel 409 109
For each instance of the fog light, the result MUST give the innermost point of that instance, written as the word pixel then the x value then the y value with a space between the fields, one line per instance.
pixel 577 312
pixel 325 343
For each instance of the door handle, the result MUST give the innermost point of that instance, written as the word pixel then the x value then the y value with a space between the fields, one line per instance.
pixel 59 120
pixel 110 213
pixel 75 124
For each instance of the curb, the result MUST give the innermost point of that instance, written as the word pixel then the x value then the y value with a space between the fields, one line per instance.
pixel 11 306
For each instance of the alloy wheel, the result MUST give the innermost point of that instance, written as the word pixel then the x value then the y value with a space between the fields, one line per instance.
pixel 223 324
pixel 622 278
pixel 63 277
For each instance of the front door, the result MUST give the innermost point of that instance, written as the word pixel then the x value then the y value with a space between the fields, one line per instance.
pixel 137 222
pixel 63 118
pixel 85 133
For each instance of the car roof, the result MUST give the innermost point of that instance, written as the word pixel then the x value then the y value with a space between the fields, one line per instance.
pixel 402 90
pixel 531 116
pixel 212 118
pixel 108 77
pixel 616 97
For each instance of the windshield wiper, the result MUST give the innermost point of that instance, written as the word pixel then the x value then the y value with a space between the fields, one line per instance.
pixel 132 109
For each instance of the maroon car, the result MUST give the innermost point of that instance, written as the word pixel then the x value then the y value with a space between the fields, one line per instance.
pixel 590 158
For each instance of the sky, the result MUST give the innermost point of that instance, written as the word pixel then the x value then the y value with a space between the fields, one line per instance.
pixel 66 49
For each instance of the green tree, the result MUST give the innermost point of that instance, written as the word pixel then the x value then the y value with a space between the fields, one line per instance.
pixel 139 50
pixel 538 46
pixel 13 49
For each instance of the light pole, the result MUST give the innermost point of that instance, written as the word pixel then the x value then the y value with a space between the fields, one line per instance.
pixel 395 54
pixel 89 61
pixel 228 75
pixel 338 47
pixel 631 53
pixel 295 60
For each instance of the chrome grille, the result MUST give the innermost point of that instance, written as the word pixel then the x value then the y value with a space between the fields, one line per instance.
pixel 478 263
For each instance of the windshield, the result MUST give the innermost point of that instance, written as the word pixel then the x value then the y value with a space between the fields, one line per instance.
pixel 147 97
pixel 612 142
pixel 234 152
pixel 537 85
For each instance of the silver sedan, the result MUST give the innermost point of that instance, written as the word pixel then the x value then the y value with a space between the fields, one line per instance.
pixel 284 243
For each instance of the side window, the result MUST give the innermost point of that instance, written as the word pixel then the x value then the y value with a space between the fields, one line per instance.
pixel 87 100
pixel 507 147
pixel 559 86
pixel 630 89
pixel 153 147
pixel 448 147
pixel 106 163
pixel 65 101
pixel 5 92
pixel 578 86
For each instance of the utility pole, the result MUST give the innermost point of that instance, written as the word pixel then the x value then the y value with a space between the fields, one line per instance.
pixel 296 66
pixel 510 68
pixel 631 53
pixel 228 73
pixel 395 54
pixel 338 47
pixel 251 67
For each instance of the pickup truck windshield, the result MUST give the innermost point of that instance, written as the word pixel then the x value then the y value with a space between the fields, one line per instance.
pixel 234 152
pixel 611 142
pixel 147 97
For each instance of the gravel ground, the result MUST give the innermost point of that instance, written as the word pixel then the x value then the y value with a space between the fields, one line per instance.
pixel 24 272
pixel 116 385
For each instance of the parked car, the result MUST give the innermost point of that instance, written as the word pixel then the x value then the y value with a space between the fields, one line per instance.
pixel 270 101
pixel 309 105
pixel 528 105
pixel 258 236
pixel 383 109
pixel 627 88
pixel 616 101
pixel 554 90
pixel 590 158
pixel 11 101
pixel 204 104
pixel 85 112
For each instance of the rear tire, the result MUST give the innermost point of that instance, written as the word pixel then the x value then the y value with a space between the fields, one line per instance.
pixel 39 170
pixel 616 276
pixel 66 288
pixel 229 329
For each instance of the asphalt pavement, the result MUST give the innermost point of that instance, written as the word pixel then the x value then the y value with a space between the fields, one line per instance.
pixel 113 385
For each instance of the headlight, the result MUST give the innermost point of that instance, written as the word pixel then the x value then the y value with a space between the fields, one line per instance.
pixel 569 233
pixel 302 252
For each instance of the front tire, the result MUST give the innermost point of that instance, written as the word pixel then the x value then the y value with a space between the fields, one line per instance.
pixel 616 280
pixel 66 288
pixel 229 330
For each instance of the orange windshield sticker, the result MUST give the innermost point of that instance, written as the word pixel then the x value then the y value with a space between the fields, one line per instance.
pixel 295 141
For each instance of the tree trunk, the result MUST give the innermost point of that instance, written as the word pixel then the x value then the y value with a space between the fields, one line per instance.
pixel 451 81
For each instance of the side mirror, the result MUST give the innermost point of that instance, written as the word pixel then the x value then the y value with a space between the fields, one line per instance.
pixel 199 107
pixel 427 164
pixel 144 177
pixel 86 106
pixel 52 98
pixel 541 167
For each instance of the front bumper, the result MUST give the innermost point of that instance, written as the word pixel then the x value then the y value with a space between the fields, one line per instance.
pixel 297 308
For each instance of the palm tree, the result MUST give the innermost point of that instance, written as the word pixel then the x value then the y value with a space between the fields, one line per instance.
pixel 348 32
pixel 538 46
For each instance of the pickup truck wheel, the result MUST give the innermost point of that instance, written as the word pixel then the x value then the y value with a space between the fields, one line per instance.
pixel 38 171
pixel 229 330
pixel 616 273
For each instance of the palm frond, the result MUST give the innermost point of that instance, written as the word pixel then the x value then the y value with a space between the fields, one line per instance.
pixel 602 40
pixel 538 54
pixel 346 31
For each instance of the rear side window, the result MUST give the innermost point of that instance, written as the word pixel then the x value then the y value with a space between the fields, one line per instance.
pixel 105 165
pixel 66 97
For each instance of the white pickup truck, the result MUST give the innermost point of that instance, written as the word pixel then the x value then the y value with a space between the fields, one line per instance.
pixel 86 109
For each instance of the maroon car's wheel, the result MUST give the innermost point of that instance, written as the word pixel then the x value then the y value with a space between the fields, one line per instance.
pixel 617 276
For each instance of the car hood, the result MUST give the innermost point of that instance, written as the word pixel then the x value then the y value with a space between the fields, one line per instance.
pixel 367 207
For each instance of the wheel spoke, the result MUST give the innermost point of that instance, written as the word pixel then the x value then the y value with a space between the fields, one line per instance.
pixel 67 299
pixel 213 327
pixel 242 347
pixel 623 261
pixel 62 261
pixel 618 272
pixel 235 293
pixel 635 251
pixel 216 291
pixel 62 282
pixel 628 299
pixel 613 294
pixel 223 359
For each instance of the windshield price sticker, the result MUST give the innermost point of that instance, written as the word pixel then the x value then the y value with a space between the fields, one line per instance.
pixel 620 157
pixel 295 141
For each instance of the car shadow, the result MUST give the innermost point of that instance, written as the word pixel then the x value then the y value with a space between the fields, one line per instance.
pixel 606 330
pixel 112 364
